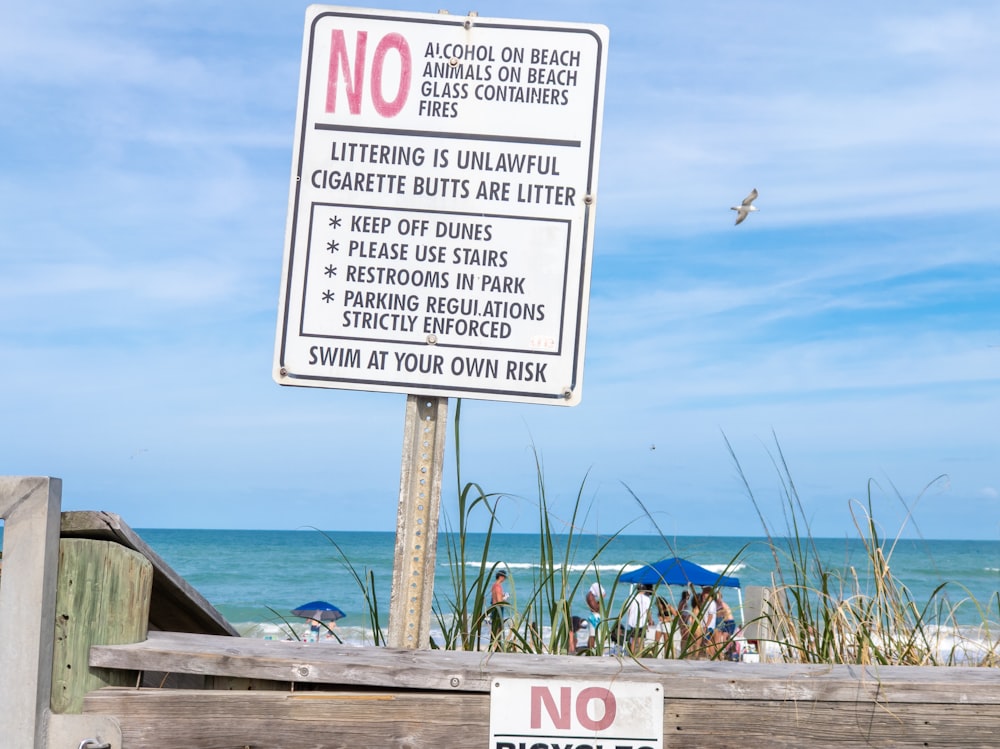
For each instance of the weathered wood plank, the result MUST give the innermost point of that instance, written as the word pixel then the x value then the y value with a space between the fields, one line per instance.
pixel 102 596
pixel 311 720
pixel 455 671
pixel 175 605
pixel 29 506
pixel 330 720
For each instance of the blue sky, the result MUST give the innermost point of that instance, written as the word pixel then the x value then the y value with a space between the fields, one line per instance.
pixel 854 321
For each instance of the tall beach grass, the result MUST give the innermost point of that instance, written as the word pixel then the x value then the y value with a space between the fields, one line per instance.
pixel 822 614
pixel 813 612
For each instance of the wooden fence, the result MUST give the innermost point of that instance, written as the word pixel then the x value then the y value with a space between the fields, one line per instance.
pixel 161 668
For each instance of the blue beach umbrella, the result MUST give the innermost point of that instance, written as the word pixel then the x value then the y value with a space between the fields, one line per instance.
pixel 321 611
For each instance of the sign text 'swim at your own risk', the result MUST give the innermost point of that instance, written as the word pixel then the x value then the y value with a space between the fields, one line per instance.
pixel 441 211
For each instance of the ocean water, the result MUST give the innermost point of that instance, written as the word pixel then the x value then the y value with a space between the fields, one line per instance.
pixel 255 578
pixel 250 575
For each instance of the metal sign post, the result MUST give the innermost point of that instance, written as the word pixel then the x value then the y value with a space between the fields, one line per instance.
pixel 417 521
pixel 440 230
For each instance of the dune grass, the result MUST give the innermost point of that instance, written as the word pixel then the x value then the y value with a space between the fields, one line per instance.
pixel 823 614
pixel 813 612
pixel 463 613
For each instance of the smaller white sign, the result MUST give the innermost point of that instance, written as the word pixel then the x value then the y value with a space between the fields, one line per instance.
pixel 577 713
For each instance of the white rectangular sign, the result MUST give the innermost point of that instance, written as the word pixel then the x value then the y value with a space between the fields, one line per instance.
pixel 575 714
pixel 441 211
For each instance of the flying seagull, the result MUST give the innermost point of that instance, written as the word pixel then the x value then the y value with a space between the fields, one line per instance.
pixel 744 208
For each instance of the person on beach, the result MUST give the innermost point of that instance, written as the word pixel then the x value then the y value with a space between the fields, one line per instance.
pixel 578 627
pixel 595 602
pixel 312 635
pixel 684 606
pixel 684 612
pixel 724 614
pixel 708 617
pixel 726 631
pixel 498 600
pixel 498 595
pixel 665 614
pixel 639 618
pixel 708 611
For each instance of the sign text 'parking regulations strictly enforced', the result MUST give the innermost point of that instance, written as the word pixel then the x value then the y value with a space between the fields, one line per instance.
pixel 441 216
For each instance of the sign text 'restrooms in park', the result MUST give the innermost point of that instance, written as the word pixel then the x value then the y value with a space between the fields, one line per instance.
pixel 441 216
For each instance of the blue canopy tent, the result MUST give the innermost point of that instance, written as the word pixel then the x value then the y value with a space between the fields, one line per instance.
pixel 677 571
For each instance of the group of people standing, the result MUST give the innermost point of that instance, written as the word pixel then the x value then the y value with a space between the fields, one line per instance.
pixel 703 619
pixel 707 623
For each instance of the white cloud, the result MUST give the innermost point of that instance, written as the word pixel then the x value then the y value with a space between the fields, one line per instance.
pixel 955 35
pixel 143 206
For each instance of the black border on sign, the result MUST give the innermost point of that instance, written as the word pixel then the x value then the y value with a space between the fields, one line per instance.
pixel 448 20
